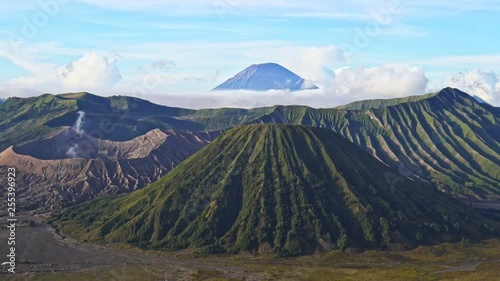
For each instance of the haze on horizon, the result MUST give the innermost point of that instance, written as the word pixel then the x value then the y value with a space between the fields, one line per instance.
pixel 174 53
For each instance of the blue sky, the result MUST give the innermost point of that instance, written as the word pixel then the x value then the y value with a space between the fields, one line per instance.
pixel 174 52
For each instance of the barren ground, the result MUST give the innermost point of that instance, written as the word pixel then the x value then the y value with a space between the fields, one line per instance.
pixel 42 254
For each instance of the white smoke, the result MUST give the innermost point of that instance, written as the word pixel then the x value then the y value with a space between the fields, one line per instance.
pixel 79 122
pixel 72 152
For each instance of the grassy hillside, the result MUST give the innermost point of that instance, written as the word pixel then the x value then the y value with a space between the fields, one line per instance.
pixel 447 138
pixel 24 119
pixel 115 118
pixel 289 190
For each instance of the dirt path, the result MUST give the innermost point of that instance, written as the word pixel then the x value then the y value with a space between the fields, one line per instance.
pixel 41 249
pixel 467 265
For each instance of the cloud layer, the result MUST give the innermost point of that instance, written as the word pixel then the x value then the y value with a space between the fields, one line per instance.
pixel 343 86
pixel 175 83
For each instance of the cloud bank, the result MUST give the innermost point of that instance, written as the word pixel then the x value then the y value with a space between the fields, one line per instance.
pixel 171 83
pixel 338 87
pixel 379 82
pixel 92 71
pixel 483 84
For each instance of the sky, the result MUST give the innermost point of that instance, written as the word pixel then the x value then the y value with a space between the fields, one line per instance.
pixel 175 52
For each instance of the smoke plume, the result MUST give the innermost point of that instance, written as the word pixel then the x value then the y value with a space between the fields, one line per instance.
pixel 72 151
pixel 79 121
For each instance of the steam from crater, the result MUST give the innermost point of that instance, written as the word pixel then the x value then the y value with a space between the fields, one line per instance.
pixel 79 122
pixel 72 151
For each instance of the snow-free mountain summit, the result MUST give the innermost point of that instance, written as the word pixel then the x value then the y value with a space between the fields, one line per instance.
pixel 264 77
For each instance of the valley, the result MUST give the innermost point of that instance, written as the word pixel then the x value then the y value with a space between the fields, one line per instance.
pixel 45 255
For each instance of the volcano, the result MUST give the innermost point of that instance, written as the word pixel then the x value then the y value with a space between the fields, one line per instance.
pixel 265 77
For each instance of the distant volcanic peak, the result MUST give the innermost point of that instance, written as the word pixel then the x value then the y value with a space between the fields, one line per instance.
pixel 264 77
pixel 270 66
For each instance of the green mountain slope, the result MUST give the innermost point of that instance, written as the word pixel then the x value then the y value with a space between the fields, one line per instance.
pixel 24 120
pixel 287 189
pixel 116 118
pixel 447 138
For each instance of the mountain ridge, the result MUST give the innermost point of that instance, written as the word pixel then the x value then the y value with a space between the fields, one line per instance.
pixel 448 138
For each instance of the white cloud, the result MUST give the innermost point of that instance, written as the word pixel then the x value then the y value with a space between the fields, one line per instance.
pixel 312 62
pixel 25 57
pixel 247 99
pixel 477 82
pixel 92 71
pixel 387 81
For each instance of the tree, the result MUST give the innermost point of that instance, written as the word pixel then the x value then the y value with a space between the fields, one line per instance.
pixel 386 236
pixel 342 241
